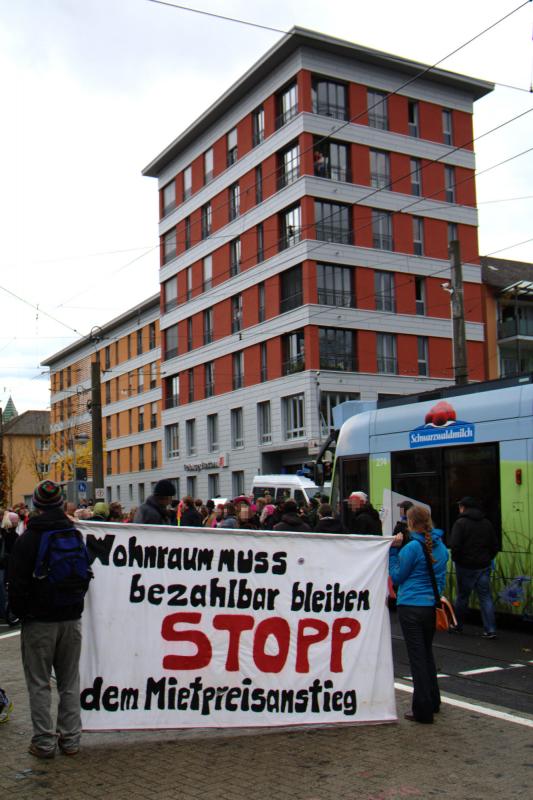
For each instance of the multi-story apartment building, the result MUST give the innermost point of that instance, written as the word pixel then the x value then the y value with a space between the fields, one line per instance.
pixel 508 309
pixel 305 220
pixel 128 349
pixel 25 450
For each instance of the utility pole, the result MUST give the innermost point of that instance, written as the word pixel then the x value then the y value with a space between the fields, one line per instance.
pixel 96 417
pixel 3 493
pixel 458 315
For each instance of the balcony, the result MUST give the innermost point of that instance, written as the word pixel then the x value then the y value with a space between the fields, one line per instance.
pixel 171 353
pixel 333 233
pixel 334 173
pixel 331 110
pixel 286 116
pixel 513 327
pixel 336 297
pixel 294 364
pixel 382 241
pixel 338 361
pixel 291 301
pixel 387 365
pixel 288 176
pixel 172 402
pixel 291 237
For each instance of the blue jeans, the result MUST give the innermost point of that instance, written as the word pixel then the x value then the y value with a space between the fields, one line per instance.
pixel 478 580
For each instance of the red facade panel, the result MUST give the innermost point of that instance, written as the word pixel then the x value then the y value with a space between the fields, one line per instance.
pixel 407 349
pixel 400 173
pixel 433 180
pixel 435 238
pixel 362 226
pixel 248 249
pixel 274 357
pixel 311 347
pixel 272 297
pixel 398 113
pixel 462 130
pixel 252 365
pixel 366 351
pixel 222 319
pixel 244 135
pixel 309 282
pixel 405 293
pixel 357 103
pixel 197 174
pixel 223 374
pixel 469 244
pixel 402 233
pixel 440 358
pixel 304 90
pixel 473 302
pixel 430 117
pixel 465 186
pixel 250 306
pixel 360 165
pixel 437 298
pixel 365 294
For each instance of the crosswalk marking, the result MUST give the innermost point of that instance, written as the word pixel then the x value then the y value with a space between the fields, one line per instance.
pixel 479 671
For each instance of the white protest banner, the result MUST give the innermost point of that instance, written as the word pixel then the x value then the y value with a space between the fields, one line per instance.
pixel 187 627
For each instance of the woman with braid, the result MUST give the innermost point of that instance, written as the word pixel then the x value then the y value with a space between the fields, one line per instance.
pixel 409 571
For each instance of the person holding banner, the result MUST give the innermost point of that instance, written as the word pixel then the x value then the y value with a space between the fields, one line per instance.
pixel 408 569
pixel 154 511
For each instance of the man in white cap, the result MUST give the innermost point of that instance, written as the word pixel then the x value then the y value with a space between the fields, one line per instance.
pixel 362 517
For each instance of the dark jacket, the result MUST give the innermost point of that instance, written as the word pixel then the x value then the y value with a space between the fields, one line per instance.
pixel 8 537
pixel 473 540
pixel 191 518
pixel 292 522
pixel 328 525
pixel 364 521
pixel 151 513
pixel 30 598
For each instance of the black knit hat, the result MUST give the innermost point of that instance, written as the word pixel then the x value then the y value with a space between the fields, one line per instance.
pixel 164 489
pixel 47 494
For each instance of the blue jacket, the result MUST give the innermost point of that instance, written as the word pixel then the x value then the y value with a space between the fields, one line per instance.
pixel 409 570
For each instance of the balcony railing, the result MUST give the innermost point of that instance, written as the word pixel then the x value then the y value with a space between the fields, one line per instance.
pixel 338 361
pixel 291 301
pixel 290 237
pixel 294 364
pixel 331 110
pixel 336 297
pixel 382 241
pixel 387 365
pixel 172 353
pixel 170 304
pixel 513 327
pixel 333 233
pixel 334 173
pixel 286 116
pixel 288 176
pixel 380 180
pixel 378 120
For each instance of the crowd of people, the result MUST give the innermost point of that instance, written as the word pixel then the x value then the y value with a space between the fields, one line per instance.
pixel 51 633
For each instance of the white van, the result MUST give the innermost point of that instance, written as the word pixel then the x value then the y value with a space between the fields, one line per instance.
pixel 285 487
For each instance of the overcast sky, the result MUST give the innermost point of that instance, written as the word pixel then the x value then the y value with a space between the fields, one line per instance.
pixel 93 90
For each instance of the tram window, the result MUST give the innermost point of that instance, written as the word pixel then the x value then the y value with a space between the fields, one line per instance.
pixel 417 461
pixel 354 477
pixel 426 489
pixel 474 470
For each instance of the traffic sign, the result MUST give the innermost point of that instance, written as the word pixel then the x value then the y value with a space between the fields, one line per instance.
pixel 99 494
pixel 82 486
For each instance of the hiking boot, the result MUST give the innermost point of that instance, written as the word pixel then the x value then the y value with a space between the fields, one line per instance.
pixel 38 752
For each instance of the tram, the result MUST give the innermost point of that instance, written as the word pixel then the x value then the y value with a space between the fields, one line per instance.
pixel 437 447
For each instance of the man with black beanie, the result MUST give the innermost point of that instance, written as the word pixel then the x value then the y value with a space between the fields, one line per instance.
pixel 50 634
pixel 154 510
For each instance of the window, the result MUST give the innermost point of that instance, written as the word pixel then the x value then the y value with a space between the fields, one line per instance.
pixel 237 428
pixel 420 295
pixel 213 485
pixel 294 416
pixel 208 325
pixel 207 270
pixel 108 432
pixel 151 336
pixel 171 342
pixel 153 416
pixel 413 125
pixel 453 235
pixel 336 347
pixel 264 423
pixel 236 313
pixel 141 493
pixel 130 491
pixel 234 201
pixel 107 362
pixel 447 130
pixel 234 257
pixel 190 374
pixel 140 419
pixel 449 184
pixel 212 432
pixel 130 458
pixel 258 184
pixel 130 423
pixel 187 242
pixel 207 218
pixel 291 288
pixel 153 455
pixel 261 299
pixel 238 370
pixel 153 375
pixel 290 227
pixel 188 276
pixel 169 245
pixel 379 169
pixel 131 383
pixel 187 182
pixel 293 349
pixel 172 439
pixel 264 361
pixel 141 458
pixel 331 160
pixel 190 436
pixel 288 165
pixel 260 242
pixel 128 340
pixel 335 285
pixel 422 343
pixel 378 116
pixel 386 351
pixel 208 165
pixel 172 393
pixel 333 223
pixel 416 177
pixel 328 401
pixel 418 236
pixel 140 380
pixel 382 229
pixel 191 485
pixel 108 469
pixel 139 337
pixel 189 334
pixel 237 483
pixel 169 197
pixel 384 286
pixel 287 105
pixel 209 374
pixel 329 98
pixel 231 143
pixel 108 392
pixel 258 126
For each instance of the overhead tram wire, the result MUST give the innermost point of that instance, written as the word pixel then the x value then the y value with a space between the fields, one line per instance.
pixel 217 16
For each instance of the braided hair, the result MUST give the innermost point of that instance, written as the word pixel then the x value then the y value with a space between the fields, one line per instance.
pixel 419 520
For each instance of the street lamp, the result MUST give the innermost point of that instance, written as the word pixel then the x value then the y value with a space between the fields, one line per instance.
pixel 78 438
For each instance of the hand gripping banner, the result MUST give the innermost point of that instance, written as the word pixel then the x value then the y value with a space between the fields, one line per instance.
pixel 187 627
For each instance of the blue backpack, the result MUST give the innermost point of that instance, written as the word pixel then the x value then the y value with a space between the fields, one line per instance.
pixel 63 561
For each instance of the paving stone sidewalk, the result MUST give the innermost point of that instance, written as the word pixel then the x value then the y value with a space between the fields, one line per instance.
pixel 463 755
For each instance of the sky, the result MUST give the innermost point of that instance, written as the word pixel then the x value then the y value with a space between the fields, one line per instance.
pixel 93 90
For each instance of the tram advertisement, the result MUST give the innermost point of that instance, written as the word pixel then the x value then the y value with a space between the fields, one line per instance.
pixel 191 628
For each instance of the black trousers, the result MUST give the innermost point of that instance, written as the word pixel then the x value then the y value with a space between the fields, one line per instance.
pixel 418 628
